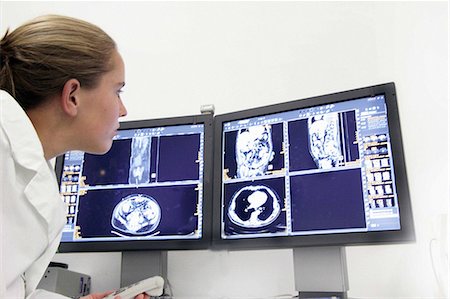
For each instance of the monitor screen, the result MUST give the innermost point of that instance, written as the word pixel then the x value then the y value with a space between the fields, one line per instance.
pixel 319 171
pixel 151 190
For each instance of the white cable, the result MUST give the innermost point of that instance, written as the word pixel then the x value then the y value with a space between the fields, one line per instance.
pixel 433 266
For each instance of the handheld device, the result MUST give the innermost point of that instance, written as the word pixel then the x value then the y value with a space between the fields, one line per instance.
pixel 153 286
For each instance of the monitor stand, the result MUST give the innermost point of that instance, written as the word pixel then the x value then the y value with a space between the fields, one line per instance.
pixel 320 272
pixel 138 265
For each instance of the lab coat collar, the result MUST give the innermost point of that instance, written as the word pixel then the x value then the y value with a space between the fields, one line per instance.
pixel 42 192
pixel 25 144
pixel 41 185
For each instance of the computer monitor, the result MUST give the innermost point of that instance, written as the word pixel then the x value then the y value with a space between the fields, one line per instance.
pixel 322 171
pixel 150 192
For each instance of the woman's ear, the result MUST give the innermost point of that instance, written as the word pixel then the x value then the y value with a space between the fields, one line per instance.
pixel 70 97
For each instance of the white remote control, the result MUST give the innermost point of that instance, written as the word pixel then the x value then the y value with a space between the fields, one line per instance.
pixel 153 286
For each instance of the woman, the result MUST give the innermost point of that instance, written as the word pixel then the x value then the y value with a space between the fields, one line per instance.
pixel 60 81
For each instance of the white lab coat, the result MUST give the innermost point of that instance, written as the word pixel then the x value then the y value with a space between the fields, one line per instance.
pixel 32 212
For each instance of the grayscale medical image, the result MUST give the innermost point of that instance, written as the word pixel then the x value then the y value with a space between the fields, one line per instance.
pixel 156 211
pixel 254 151
pixel 254 206
pixel 136 214
pixel 324 140
pixel 139 161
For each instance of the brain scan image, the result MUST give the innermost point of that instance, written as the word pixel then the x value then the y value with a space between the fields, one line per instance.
pixel 254 207
pixel 254 151
pixel 139 161
pixel 136 214
pixel 324 140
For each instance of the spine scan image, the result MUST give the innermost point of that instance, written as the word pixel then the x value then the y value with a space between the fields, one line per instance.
pixel 136 214
pixel 139 161
pixel 324 140
pixel 254 151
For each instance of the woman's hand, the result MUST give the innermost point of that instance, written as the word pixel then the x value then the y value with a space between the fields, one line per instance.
pixel 97 295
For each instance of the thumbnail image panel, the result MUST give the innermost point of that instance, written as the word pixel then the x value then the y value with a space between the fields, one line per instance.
pixel 323 141
pixel 111 168
pixel 253 151
pixel 178 158
pixel 327 200
pixel 254 207
pixel 128 212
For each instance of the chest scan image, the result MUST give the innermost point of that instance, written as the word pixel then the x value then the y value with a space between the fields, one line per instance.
pixel 254 207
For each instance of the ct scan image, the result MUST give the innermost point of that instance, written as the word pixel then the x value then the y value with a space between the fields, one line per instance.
pixel 323 141
pixel 255 208
pixel 136 214
pixel 145 160
pixel 253 151
pixel 139 212
pixel 140 160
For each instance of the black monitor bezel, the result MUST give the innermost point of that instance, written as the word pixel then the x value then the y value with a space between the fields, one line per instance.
pixel 404 235
pixel 173 244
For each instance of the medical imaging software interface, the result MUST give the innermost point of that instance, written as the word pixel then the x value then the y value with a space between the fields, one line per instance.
pixel 148 186
pixel 320 170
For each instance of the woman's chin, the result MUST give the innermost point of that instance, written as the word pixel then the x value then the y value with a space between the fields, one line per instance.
pixel 100 150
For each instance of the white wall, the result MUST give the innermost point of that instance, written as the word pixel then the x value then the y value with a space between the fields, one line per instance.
pixel 237 55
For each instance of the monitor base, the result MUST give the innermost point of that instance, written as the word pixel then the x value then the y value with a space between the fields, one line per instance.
pixel 139 265
pixel 321 272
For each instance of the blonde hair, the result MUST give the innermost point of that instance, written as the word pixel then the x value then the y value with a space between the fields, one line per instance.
pixel 39 57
